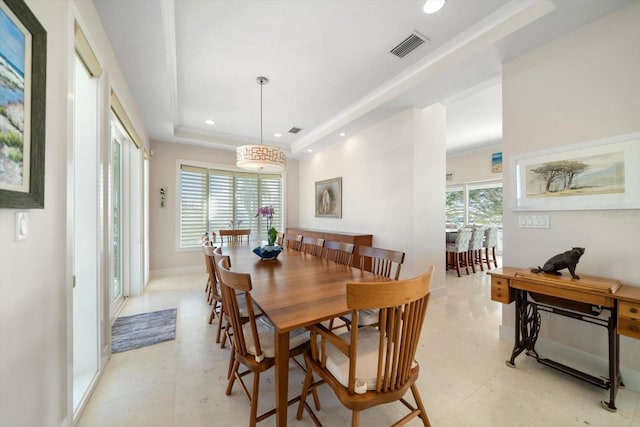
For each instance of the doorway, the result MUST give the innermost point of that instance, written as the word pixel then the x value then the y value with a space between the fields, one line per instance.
pixel 86 235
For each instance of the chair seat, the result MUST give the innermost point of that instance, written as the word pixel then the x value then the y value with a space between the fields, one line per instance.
pixel 365 317
pixel 367 361
pixel 451 247
pixel 265 329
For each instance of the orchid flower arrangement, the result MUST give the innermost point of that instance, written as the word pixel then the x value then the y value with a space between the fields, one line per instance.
pixel 267 212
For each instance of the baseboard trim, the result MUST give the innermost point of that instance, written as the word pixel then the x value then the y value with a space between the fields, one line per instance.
pixel 164 272
pixel 574 357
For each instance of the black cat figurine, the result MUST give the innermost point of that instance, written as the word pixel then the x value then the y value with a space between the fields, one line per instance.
pixel 568 259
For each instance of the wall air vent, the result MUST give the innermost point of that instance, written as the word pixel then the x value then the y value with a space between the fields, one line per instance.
pixel 409 44
pixel 294 130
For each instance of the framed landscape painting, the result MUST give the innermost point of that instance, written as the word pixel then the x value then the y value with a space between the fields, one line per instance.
pixel 600 174
pixel 329 198
pixel 23 43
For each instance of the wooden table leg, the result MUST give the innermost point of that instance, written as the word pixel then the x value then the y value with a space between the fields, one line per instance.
pixel 281 346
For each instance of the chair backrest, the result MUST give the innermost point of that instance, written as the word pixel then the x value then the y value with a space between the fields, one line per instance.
pixel 234 237
pixel 341 253
pixel 293 241
pixel 403 306
pixel 491 237
pixel 477 238
pixel 279 239
pixel 382 261
pixel 313 246
pixel 217 258
pixel 462 240
pixel 209 261
pixel 233 286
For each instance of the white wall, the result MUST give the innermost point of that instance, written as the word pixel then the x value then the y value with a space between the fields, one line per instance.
pixel 392 187
pixel 473 166
pixel 581 87
pixel 35 285
pixel 163 225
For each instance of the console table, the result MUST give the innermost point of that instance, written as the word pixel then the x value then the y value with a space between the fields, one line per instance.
pixel 356 239
pixel 585 299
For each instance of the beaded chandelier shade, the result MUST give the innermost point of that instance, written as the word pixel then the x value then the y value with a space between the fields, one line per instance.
pixel 260 158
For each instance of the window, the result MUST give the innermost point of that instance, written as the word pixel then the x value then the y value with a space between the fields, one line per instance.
pixel 455 206
pixel 475 203
pixel 213 199
pixel 485 204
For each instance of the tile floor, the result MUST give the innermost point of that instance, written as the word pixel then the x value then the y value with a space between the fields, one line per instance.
pixel 463 379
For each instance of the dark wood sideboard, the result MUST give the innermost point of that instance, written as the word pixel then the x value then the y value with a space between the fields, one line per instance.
pixel 357 239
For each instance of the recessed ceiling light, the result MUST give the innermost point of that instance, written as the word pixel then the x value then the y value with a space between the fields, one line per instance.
pixel 343 134
pixel 210 122
pixel 310 150
pixel 277 134
pixel 432 6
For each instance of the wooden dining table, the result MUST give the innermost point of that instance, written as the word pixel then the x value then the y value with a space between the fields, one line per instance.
pixel 293 291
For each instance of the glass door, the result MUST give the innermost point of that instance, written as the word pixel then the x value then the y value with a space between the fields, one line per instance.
pixel 116 219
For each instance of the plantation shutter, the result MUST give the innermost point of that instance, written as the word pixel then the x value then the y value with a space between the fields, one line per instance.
pixel 271 195
pixel 212 200
pixel 220 200
pixel 193 205
pixel 247 202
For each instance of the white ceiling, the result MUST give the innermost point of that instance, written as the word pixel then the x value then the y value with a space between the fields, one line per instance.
pixel 328 62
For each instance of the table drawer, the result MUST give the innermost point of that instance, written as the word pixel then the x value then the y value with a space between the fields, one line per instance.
pixel 629 327
pixel 500 291
pixel 629 309
pixel 629 319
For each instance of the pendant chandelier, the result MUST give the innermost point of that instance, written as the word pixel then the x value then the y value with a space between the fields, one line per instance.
pixel 260 158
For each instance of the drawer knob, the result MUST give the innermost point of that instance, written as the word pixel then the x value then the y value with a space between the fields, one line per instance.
pixel 634 328
pixel 633 310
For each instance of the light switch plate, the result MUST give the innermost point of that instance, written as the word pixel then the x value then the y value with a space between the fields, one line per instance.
pixel 22 226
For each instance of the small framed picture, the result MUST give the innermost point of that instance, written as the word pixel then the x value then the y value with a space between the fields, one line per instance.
pixel 329 198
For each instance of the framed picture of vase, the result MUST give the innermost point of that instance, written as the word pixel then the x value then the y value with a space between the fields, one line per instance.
pixel 23 52
pixel 599 174
pixel 329 198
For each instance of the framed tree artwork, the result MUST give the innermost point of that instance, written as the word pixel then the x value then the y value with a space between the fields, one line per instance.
pixel 601 174
pixel 23 56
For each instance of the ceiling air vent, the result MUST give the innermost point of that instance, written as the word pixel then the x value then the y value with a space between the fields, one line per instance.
pixel 294 130
pixel 409 44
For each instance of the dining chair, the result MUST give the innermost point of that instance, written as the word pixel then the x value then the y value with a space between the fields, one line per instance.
pixel 490 243
pixel 207 290
pixel 293 241
pixel 474 253
pixel 385 263
pixel 371 366
pixel 313 246
pixel 341 253
pixel 235 237
pixel 215 299
pixel 244 312
pixel 457 252
pixel 279 239
pixel 253 340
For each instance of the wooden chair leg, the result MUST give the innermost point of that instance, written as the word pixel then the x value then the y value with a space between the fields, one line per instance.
pixel 254 399
pixel 212 315
pixel 466 262
pixel 420 405
pixel 478 258
pixel 486 258
pixel 473 266
pixel 305 391
pixel 232 377
pixel 457 256
pixel 495 260
pixel 355 419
